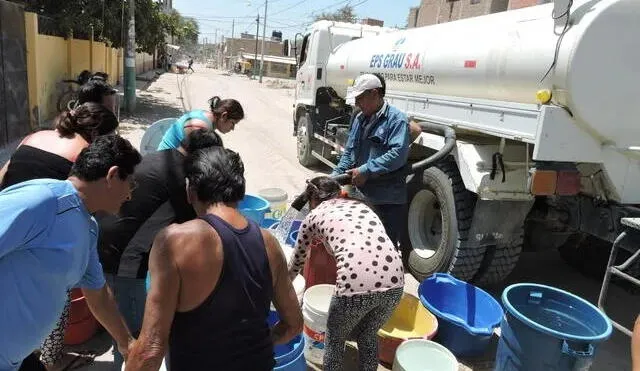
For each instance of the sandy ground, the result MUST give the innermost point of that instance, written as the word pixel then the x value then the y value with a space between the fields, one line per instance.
pixel 269 152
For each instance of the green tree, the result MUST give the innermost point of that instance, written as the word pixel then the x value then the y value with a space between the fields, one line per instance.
pixel 58 17
pixel 344 14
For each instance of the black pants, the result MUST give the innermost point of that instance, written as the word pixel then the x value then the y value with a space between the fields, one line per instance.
pixel 32 363
pixel 394 219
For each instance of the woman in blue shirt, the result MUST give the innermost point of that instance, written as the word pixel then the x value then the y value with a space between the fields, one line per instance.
pixel 223 116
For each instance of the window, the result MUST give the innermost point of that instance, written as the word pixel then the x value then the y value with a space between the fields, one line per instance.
pixel 305 49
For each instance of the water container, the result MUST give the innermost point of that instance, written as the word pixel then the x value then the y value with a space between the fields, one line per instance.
pixel 278 199
pixel 467 316
pixel 315 311
pixel 320 267
pixel 546 328
pixel 268 223
pixel 254 208
pixel 423 355
pixel 290 356
pixel 410 320
pixel 153 135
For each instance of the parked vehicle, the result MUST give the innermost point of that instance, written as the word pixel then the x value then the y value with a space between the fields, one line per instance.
pixel 545 114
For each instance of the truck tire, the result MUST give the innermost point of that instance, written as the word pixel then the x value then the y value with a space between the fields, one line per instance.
pixel 500 260
pixel 439 219
pixel 305 141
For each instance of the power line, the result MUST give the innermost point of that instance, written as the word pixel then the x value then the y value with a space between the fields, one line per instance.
pixel 288 8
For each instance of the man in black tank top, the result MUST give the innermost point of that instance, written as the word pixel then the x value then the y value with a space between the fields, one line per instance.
pixel 213 280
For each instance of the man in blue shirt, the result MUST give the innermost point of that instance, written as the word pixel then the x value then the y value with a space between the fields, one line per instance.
pixel 376 153
pixel 48 246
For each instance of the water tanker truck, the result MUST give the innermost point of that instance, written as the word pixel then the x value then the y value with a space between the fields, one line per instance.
pixel 537 111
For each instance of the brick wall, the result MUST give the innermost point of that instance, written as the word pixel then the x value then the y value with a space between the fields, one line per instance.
pixel 441 11
pixel 249 46
pixel 516 4
pixel 412 19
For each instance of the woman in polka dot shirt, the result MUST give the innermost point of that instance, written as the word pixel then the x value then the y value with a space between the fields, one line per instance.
pixel 370 276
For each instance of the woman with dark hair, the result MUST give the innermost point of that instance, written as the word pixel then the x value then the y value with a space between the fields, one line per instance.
pixel 51 154
pixel 224 115
pixel 370 276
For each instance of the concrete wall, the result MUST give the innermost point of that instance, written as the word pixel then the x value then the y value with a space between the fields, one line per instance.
pixel 53 59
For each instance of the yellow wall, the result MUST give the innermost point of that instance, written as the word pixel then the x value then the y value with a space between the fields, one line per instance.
pixel 52 68
pixel 53 59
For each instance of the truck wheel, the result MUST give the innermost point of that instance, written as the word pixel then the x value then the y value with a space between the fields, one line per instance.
pixel 500 260
pixel 439 219
pixel 305 140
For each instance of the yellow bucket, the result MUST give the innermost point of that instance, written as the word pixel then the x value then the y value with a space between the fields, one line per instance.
pixel 410 320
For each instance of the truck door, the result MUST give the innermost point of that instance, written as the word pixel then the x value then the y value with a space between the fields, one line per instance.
pixel 305 77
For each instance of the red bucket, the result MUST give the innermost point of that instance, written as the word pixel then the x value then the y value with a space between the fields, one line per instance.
pixel 82 325
pixel 320 267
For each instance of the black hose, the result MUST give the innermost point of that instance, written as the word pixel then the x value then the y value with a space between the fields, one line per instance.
pixel 449 143
pixel 302 200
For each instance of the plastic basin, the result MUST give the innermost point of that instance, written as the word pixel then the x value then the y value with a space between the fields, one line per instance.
pixel 254 208
pixel 541 319
pixel 410 320
pixel 289 356
pixel 467 315
pixel 424 355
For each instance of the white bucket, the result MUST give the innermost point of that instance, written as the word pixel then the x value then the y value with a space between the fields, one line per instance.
pixel 315 310
pixel 424 355
pixel 277 202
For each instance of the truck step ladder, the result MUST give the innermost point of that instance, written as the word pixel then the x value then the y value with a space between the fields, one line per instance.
pixel 633 230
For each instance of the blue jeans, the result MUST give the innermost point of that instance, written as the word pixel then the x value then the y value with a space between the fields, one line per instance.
pixel 130 294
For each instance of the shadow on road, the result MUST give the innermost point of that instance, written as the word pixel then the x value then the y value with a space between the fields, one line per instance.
pixel 149 109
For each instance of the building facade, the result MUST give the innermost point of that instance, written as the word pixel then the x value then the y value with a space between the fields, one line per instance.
pixel 440 11
pixel 233 47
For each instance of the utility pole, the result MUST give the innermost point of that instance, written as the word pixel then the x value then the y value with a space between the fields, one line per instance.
pixel 255 60
pixel 130 62
pixel 215 47
pixel 264 35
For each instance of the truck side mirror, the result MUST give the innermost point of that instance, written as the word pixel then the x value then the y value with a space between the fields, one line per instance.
pixel 285 48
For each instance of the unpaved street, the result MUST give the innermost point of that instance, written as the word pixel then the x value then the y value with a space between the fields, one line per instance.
pixel 269 152
pixel 263 139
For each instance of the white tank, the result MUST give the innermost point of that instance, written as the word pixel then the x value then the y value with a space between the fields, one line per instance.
pixel 505 56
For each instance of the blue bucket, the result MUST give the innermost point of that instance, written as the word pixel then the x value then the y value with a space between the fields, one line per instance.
pixel 269 223
pixel 290 356
pixel 467 316
pixel 546 328
pixel 254 208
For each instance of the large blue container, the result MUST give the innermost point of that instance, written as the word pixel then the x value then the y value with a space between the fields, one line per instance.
pixel 254 208
pixel 290 356
pixel 467 316
pixel 546 328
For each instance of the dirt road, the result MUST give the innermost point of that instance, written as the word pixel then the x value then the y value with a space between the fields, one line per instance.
pixel 268 149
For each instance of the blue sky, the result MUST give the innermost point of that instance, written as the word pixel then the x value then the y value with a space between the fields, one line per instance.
pixel 288 16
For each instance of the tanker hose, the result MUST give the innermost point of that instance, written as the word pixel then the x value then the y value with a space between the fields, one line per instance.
pixel 301 200
pixel 449 143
